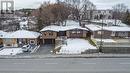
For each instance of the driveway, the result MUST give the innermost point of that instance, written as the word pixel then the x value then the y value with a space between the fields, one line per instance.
pixel 44 49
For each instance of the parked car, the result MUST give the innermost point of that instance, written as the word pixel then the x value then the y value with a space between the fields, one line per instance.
pixel 1 46
pixel 26 48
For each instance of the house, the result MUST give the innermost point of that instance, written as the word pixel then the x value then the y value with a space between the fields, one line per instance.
pixel 53 32
pixel 96 31
pixel 96 14
pixel 20 38
pixel 119 32
pixel 109 32
pixel 109 22
pixel 115 39
pixel 2 34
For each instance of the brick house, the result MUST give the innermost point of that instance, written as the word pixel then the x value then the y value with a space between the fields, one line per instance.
pixel 2 34
pixel 51 33
pixel 109 32
pixel 97 31
pixel 20 38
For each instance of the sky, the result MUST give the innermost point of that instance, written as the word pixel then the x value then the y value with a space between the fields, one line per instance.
pixel 100 4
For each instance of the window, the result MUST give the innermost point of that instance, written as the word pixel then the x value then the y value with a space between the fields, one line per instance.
pixel 100 32
pixel 99 11
pixel 113 34
pixel 123 34
pixel 8 40
pixel 45 34
pixel 50 34
pixel 32 41
pixel 1 35
pixel 62 33
pixel 78 32
pixel 73 31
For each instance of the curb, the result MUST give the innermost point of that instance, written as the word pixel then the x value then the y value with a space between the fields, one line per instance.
pixel 64 56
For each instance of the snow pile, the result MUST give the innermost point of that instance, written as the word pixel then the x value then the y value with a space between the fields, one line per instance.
pixel 10 51
pixel 76 46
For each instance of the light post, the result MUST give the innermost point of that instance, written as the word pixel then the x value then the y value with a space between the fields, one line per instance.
pixel 101 42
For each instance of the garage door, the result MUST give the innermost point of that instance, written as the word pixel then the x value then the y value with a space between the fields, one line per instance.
pixel 49 41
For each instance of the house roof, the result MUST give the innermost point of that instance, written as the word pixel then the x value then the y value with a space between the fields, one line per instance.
pixel 72 23
pixel 2 34
pixel 93 27
pixel 117 28
pixel 61 28
pixel 22 34
pixel 110 22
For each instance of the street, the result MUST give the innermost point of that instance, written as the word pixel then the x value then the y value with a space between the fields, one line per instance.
pixel 66 65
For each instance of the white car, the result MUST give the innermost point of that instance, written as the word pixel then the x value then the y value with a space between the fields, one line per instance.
pixel 26 48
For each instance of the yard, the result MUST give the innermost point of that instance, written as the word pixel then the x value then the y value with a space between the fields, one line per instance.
pixel 75 46
pixel 10 51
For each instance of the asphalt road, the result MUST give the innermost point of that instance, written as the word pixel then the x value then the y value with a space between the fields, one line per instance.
pixel 66 65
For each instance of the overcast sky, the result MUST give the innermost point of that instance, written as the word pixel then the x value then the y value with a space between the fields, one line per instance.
pixel 101 4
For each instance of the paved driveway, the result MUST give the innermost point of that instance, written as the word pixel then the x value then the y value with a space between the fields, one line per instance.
pixel 44 49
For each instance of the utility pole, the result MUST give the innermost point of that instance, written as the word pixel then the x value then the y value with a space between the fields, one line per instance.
pixel 101 42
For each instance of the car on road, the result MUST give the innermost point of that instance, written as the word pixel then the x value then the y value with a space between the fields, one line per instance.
pixel 26 48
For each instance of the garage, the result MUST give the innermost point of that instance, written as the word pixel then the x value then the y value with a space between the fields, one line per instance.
pixel 49 41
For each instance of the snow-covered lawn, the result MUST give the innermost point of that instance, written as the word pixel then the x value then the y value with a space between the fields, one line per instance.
pixel 10 51
pixel 106 40
pixel 75 46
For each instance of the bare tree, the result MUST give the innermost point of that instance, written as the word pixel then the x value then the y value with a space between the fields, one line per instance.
pixel 118 11
pixel 81 8
pixel 87 9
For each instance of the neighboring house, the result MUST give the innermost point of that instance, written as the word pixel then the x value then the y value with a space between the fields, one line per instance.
pixel 20 38
pixel 115 39
pixel 119 32
pixel 109 32
pixel 96 14
pixel 53 32
pixel 96 31
pixel 2 34
pixel 106 14
pixel 109 22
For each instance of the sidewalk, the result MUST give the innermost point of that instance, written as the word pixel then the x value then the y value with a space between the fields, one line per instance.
pixel 67 56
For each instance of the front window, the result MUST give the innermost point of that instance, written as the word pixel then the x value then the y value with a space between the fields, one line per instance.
pixel 100 32
pixel 113 34
pixel 32 41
